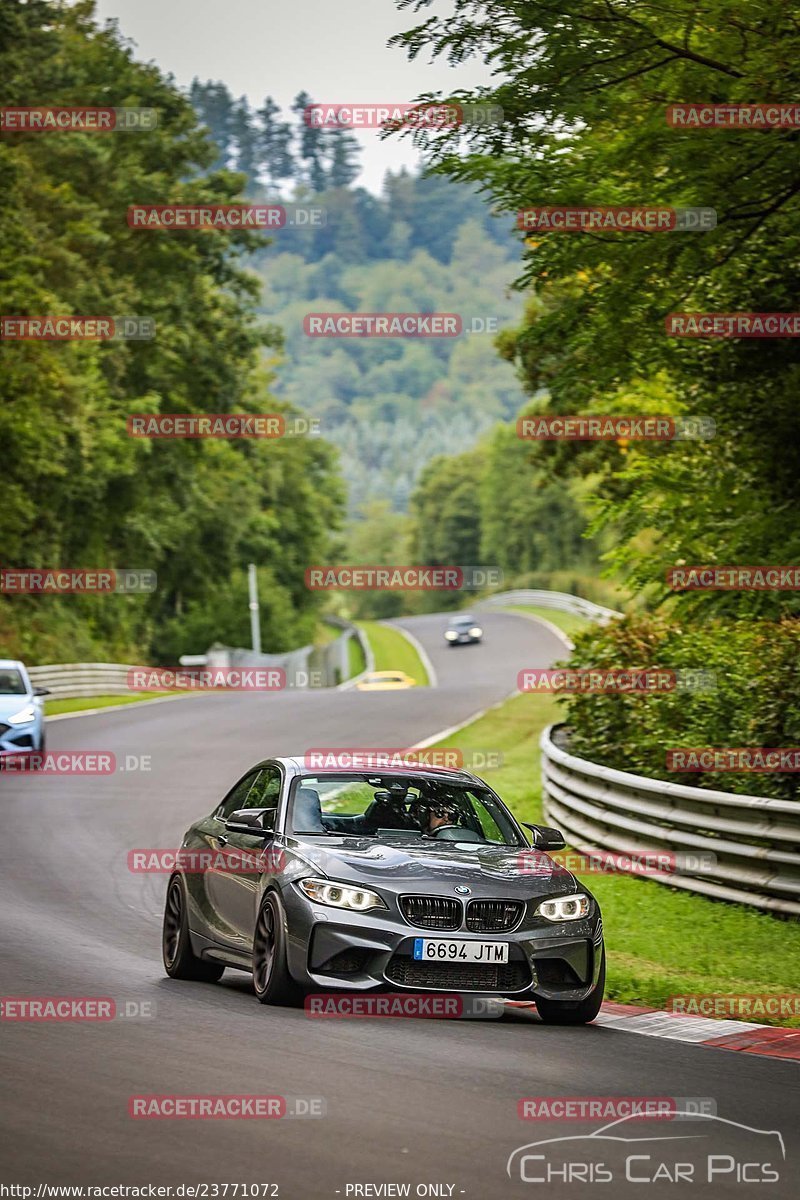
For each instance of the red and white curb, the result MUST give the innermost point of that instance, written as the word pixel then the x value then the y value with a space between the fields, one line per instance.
pixel 768 1040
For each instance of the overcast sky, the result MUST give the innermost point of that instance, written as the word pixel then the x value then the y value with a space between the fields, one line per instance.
pixel 334 49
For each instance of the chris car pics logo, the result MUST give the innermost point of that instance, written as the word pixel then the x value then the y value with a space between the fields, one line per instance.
pixel 708 1150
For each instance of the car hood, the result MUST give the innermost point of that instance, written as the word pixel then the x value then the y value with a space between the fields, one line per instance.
pixel 11 705
pixel 438 866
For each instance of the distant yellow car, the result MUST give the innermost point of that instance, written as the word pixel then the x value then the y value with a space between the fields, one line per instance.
pixel 385 681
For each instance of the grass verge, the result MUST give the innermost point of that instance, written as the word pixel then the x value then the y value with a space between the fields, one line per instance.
pixel 393 651
pixel 79 703
pixel 324 633
pixel 568 623
pixel 355 658
pixel 660 941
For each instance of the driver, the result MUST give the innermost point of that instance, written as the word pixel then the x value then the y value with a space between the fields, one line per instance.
pixel 439 814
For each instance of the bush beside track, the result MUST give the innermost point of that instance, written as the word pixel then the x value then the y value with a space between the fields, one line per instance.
pixel 753 702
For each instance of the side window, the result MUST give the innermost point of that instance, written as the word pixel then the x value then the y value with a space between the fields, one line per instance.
pixel 491 830
pixel 265 793
pixel 239 796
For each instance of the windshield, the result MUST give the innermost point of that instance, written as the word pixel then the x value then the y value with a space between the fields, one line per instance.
pixel 11 682
pixel 400 807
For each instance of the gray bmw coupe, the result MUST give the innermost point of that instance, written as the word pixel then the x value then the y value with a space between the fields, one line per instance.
pixel 410 879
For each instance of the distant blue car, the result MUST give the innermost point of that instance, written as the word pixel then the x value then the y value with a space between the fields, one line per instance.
pixel 21 710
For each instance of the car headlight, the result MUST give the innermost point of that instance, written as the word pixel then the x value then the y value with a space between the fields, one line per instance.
pixel 476 631
pixel 451 635
pixel 23 716
pixel 565 908
pixel 340 895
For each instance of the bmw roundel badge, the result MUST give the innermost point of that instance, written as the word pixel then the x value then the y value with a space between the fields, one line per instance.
pixel 461 890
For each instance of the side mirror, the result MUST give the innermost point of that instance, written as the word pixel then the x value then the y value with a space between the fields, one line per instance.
pixel 258 822
pixel 545 837
pixel 41 691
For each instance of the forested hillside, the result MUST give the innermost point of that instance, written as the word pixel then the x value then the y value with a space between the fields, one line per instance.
pixel 423 245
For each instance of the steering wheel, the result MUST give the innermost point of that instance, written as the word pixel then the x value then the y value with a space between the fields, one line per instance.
pixel 456 833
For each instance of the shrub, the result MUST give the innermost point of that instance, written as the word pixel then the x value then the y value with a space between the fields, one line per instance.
pixel 754 700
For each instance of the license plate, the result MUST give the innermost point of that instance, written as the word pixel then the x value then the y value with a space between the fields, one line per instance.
pixel 457 950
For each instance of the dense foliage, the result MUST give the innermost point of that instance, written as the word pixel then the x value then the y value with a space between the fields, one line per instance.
pixel 585 91
pixel 495 506
pixel 747 695
pixel 77 491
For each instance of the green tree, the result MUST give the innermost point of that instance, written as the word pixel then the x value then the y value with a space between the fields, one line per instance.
pixel 311 148
pixel 275 138
pixel 343 152
pixel 217 111
pixel 584 91
pixel 378 537
pixel 77 490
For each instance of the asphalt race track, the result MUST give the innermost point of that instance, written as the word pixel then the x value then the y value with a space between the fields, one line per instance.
pixel 407 1101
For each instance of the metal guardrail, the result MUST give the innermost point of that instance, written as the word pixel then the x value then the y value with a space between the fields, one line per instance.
pixel 328 663
pixel 563 601
pixel 82 679
pixel 733 847
pixel 366 650
pixel 307 666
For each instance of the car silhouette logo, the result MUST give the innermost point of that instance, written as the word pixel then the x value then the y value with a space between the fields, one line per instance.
pixel 462 891
pixel 613 1133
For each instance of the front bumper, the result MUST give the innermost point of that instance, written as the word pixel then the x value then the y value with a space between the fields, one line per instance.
pixel 328 949
pixel 20 739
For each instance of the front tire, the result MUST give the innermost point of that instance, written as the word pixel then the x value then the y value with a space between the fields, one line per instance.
pixel 271 979
pixel 180 961
pixel 580 1012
